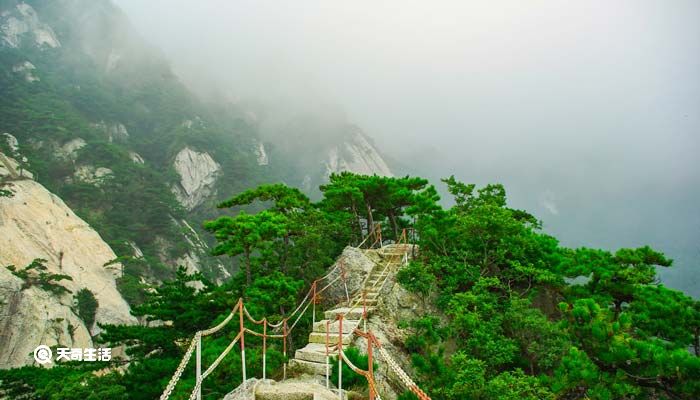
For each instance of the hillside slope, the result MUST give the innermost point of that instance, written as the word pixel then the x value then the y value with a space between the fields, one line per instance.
pixel 105 124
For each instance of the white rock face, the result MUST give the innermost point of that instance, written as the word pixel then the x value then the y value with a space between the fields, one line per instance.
pixel 136 157
pixel 11 168
pixel 357 155
pixel 90 174
pixel 31 317
pixel 26 69
pixel 261 154
pixel 21 23
pixel 115 131
pixel 113 60
pixel 198 173
pixel 11 141
pixel 356 264
pixel 70 148
pixel 137 251
pixel 34 223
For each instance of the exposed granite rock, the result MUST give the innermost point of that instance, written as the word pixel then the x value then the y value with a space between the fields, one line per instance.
pixel 26 69
pixel 34 223
pixel 356 155
pixel 198 173
pixel 31 317
pixel 291 389
pixel 261 154
pixel 20 25
pixel 136 157
pixel 70 149
pixel 356 264
pixel 115 132
pixel 92 175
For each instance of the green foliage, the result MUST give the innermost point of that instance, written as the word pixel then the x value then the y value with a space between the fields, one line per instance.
pixel 246 234
pixel 512 326
pixel 74 381
pixel 416 278
pixel 86 306
pixel 351 379
pixel 35 274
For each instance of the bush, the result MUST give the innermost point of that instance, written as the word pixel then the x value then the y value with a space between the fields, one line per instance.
pixel 416 278
pixel 350 378
pixel 87 306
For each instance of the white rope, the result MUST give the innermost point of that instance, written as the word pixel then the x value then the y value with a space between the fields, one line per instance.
pixel 217 328
pixel 303 304
pixel 298 318
pixel 403 376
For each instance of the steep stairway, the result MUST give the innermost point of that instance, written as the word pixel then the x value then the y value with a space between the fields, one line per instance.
pixel 311 359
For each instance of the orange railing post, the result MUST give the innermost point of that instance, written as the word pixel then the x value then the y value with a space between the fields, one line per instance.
pixel 370 367
pixel 340 356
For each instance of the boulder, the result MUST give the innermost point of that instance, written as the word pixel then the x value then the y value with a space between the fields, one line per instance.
pixel 357 265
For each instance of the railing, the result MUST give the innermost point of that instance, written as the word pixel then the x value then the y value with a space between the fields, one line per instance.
pixel 310 300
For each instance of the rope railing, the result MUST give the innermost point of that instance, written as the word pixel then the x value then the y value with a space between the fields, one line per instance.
pixel 240 309
pixel 371 339
pixel 311 298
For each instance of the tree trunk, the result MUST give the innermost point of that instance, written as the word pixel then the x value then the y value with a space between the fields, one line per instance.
pixel 283 263
pixel 357 218
pixel 248 275
pixel 370 218
pixel 394 225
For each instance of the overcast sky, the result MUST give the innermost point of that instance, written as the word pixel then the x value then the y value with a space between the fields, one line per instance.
pixel 588 111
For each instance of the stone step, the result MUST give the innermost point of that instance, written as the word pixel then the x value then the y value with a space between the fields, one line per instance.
pixel 349 315
pixel 313 352
pixel 315 337
pixel 308 367
pixel 348 326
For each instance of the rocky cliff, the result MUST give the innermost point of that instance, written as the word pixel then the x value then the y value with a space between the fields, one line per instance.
pixel 198 172
pixel 35 223
pixel 21 24
pixel 356 154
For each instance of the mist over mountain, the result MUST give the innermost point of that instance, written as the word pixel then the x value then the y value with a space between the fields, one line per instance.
pixel 587 112
pixel 448 201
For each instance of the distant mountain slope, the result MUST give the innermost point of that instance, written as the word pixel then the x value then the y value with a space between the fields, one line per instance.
pixel 104 123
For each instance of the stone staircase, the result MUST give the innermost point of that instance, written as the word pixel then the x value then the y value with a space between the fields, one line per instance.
pixel 311 359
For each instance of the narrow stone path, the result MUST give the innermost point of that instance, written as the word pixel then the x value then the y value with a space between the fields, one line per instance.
pixel 311 359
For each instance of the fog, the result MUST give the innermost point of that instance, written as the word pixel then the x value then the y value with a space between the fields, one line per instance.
pixel 587 111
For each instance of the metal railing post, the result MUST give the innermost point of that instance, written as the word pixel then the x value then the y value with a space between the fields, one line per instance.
pixel 264 348
pixel 240 311
pixel 199 367
pixel 340 356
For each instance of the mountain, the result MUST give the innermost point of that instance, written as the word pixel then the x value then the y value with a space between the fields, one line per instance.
pixel 102 121
pixel 35 224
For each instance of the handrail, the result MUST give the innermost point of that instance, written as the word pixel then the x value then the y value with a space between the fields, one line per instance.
pixel 299 311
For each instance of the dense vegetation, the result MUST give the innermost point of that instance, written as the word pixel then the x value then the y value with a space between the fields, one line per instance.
pixel 522 316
